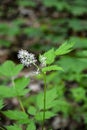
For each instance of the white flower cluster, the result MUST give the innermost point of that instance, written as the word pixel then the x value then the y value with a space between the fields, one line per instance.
pixel 43 60
pixel 26 58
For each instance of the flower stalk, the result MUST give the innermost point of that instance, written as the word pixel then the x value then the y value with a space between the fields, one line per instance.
pixel 27 59
pixel 44 100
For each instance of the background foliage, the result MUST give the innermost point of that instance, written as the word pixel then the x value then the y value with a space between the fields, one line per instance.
pixel 38 25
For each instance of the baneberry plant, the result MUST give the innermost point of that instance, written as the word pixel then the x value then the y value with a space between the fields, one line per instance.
pixel 46 103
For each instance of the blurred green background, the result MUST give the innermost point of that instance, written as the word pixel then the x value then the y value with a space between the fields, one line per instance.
pixel 38 25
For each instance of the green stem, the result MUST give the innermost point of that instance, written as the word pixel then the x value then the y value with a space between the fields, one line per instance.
pixel 36 66
pixel 44 102
pixel 20 102
pixel 44 110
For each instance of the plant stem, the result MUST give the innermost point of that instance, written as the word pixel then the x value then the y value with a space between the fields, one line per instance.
pixel 20 102
pixel 44 110
pixel 44 100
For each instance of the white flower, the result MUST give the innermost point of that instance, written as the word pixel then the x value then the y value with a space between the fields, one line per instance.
pixel 22 54
pixel 43 60
pixel 26 58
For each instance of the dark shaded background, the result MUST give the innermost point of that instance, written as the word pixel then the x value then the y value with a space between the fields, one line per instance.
pixel 38 25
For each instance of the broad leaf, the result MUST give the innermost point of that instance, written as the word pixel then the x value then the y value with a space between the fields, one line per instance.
pixel 64 48
pixel 50 56
pixel 78 94
pixel 52 67
pixel 7 92
pixel 13 127
pixel 20 86
pixel 51 95
pixel 32 110
pixel 48 115
pixel 31 126
pixel 17 115
pixel 9 69
pixel 62 106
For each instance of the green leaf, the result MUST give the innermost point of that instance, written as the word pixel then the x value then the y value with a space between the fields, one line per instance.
pixel 82 53
pixel 50 56
pixel 5 43
pixel 31 126
pixel 1 104
pixel 52 67
pixel 17 69
pixel 7 92
pixel 14 30
pixel 17 115
pixel 51 95
pixel 13 127
pixel 33 32
pixel 70 64
pixel 78 25
pixel 48 115
pixel 26 3
pixel 20 86
pixel 50 3
pixel 18 90
pixel 32 110
pixel 62 106
pixel 9 69
pixel 79 94
pixel 80 42
pixel 64 48
pixel 3 28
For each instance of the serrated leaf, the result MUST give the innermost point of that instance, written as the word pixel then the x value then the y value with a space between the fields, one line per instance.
pixel 64 48
pixel 50 56
pixel 62 106
pixel 17 69
pixel 16 115
pixel 31 126
pixel 13 127
pixel 32 110
pixel 52 67
pixel 48 115
pixel 6 68
pixel 7 92
pixel 51 95
pixel 20 86
pixel 9 69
